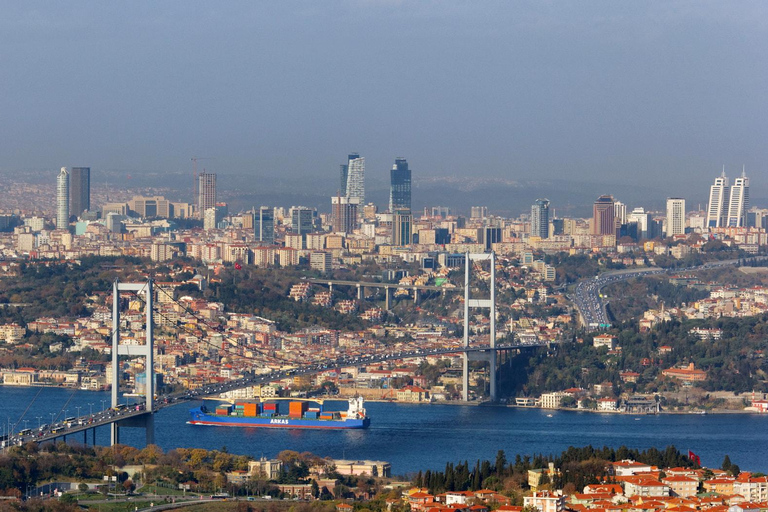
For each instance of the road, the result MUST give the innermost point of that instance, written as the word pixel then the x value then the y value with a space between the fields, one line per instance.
pixel 586 295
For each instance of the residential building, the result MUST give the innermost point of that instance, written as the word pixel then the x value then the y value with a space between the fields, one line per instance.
pixel 321 261
pixel 412 394
pixel 675 216
pixel 545 501
pixel 344 212
pixel 644 486
pixel 682 486
pixel 270 469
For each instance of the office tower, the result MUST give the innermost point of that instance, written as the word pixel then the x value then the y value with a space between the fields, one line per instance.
pixel 603 216
pixel 345 173
pixel 642 219
pixel 675 216
pixel 356 178
pixel 302 220
pixel 62 199
pixel 264 225
pixel 79 190
pixel 738 203
pixel 400 186
pixel 620 212
pixel 490 236
pixel 206 192
pixel 439 211
pixel 401 227
pixel 717 211
pixel 540 218
pixel 344 212
pixel 478 212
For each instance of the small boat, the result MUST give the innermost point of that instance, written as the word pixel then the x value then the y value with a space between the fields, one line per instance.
pixel 549 415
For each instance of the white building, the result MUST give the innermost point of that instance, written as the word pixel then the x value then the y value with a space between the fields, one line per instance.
pixel 62 199
pixel 356 179
pixel 675 216
pixel 738 204
pixel 717 210
pixel 545 501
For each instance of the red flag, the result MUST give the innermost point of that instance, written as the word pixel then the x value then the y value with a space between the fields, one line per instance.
pixel 238 266
pixel 695 458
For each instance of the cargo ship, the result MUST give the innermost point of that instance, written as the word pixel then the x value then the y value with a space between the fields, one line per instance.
pixel 273 414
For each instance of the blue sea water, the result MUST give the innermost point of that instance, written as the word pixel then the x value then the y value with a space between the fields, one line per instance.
pixel 413 436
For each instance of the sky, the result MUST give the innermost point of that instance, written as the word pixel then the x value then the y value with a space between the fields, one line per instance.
pixel 656 94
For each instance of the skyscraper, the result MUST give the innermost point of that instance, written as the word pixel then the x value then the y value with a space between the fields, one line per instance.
pixel 345 174
pixel 400 186
pixel 264 225
pixel 675 216
pixel 738 203
pixel 79 190
pixel 62 199
pixel 401 227
pixel 603 216
pixel 717 211
pixel 206 192
pixel 540 218
pixel 356 179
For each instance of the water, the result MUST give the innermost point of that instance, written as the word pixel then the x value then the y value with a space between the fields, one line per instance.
pixel 413 437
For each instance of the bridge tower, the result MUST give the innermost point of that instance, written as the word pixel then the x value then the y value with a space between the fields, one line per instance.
pixel 147 420
pixel 490 304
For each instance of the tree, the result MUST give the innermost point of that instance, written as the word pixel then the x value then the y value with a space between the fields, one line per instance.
pixel 726 465
pixel 501 462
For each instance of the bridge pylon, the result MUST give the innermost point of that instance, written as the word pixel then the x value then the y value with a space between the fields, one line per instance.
pixel 490 304
pixel 145 421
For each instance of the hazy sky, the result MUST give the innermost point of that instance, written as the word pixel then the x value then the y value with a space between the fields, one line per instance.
pixel 648 92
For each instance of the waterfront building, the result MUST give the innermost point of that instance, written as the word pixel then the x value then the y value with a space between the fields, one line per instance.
pixel 675 216
pixel 206 192
pixel 540 218
pixel 717 210
pixel 400 186
pixel 79 190
pixel 62 199
pixel 603 222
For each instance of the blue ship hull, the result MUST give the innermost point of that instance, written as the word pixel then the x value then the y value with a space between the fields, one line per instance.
pixel 200 417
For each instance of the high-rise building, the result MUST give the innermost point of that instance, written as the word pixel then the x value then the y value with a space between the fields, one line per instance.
pixel 344 213
pixel 400 186
pixel 206 192
pixel 717 211
pixel 356 179
pixel 402 228
pixel 642 220
pixel 603 222
pixel 675 216
pixel 478 212
pixel 738 203
pixel 302 220
pixel 620 212
pixel 345 174
pixel 79 190
pixel 62 199
pixel 264 225
pixel 540 218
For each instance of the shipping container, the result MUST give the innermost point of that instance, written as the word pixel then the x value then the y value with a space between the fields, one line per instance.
pixel 311 415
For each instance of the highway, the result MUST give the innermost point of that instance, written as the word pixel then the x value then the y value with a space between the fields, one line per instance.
pixel 586 295
pixel 72 426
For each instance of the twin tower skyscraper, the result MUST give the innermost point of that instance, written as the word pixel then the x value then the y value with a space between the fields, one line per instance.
pixel 728 204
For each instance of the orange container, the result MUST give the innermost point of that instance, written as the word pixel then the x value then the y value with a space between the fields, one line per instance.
pixel 250 410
